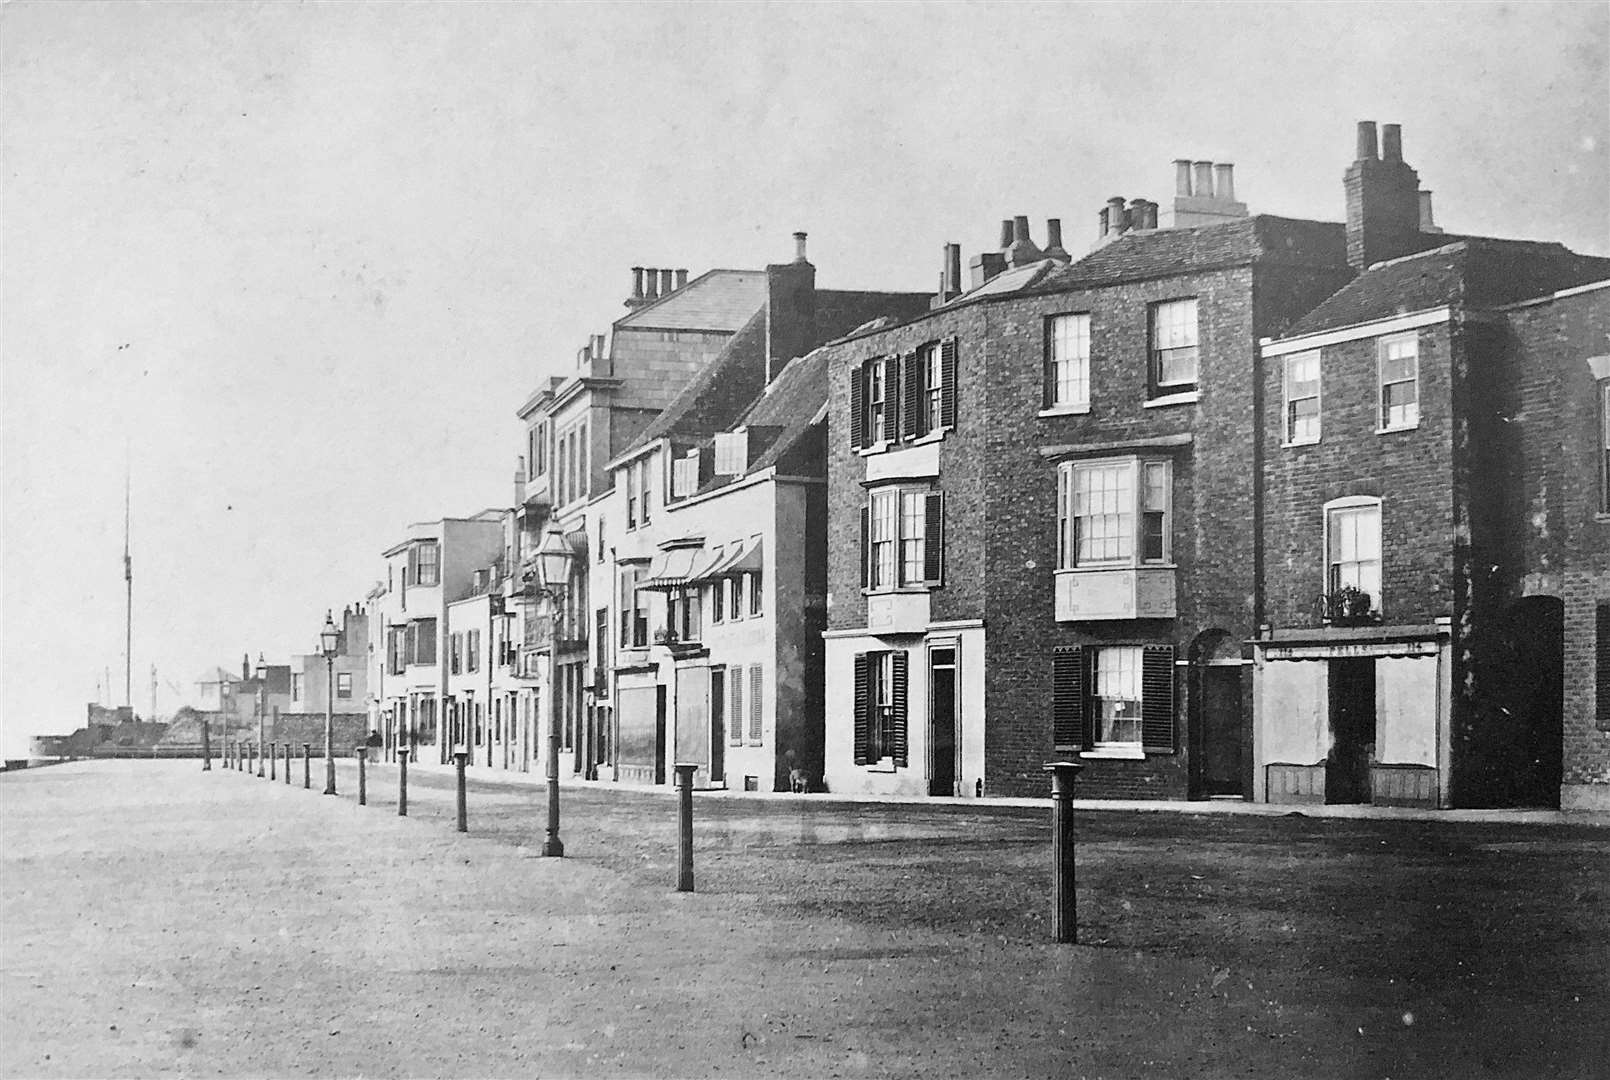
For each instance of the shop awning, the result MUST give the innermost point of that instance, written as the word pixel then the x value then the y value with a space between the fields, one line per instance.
pixel 674 569
pixel 740 558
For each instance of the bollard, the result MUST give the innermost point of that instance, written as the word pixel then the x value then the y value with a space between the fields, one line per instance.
pixel 287 764
pixel 1064 896
pixel 254 765
pixel 362 754
pixel 257 750
pixel 307 766
pixel 273 759
pixel 402 781
pixel 461 759
pixel 684 835
pixel 206 748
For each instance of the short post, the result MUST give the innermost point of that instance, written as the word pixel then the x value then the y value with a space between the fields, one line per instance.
pixel 287 764
pixel 307 765
pixel 223 754
pixel 273 757
pixel 1064 896
pixel 254 764
pixel 362 754
pixel 206 748
pixel 461 758
pixel 257 749
pixel 684 834
pixel 402 781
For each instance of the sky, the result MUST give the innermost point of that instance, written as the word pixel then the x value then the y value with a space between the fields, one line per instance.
pixel 291 268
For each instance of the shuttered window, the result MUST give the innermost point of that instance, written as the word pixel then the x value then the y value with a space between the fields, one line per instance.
pixel 757 697
pixel 1111 697
pixel 898 398
pixel 881 684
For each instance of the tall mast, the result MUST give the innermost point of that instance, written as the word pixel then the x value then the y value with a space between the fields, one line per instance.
pixel 128 606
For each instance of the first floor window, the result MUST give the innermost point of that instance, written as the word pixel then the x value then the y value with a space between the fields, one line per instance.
pixel 880 707
pixel 1173 347
pixel 1399 371
pixel 1113 512
pixel 1067 376
pixel 634 610
pixel 1353 548
pixel 1302 397
pixel 1113 697
pixel 902 539
pixel 911 535
pixel 755 591
pixel 343 685
pixel 931 370
pixel 718 600
pixel 735 593
pixel 472 651
pixel 425 558
pixel 422 639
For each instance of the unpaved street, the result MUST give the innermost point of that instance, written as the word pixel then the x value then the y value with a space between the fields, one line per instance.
pixel 161 920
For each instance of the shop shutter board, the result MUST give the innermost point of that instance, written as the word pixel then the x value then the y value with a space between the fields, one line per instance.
pixel 933 539
pixel 866 548
pixel 1068 724
pixel 757 697
pixel 858 406
pixel 910 396
pixel 1601 658
pixel 900 679
pixel 891 398
pixel 861 704
pixel 735 700
pixel 1157 699
pixel 947 392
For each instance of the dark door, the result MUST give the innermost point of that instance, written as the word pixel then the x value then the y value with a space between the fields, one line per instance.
pixel 942 722
pixel 718 730
pixel 659 734
pixel 1220 745
pixel 1352 724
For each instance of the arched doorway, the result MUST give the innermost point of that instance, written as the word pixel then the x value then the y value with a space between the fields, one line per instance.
pixel 1515 750
pixel 1218 728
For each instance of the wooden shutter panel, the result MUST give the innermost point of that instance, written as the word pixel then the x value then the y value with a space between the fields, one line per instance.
pixel 1157 699
pixel 735 702
pixel 861 703
pixel 933 539
pixel 866 547
pixel 1601 658
pixel 947 392
pixel 911 397
pixel 1068 696
pixel 891 398
pixel 858 406
pixel 757 696
pixel 900 679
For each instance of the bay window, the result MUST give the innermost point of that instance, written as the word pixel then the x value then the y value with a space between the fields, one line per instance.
pixel 902 539
pixel 1113 512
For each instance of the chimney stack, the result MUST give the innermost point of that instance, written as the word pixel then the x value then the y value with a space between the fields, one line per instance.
pixel 1137 215
pixel 1053 241
pixel 652 285
pixel 1023 251
pixel 950 275
pixel 1006 233
pixel 1383 200
pixel 799 248
pixel 1117 219
pixel 666 277
pixel 1427 224
pixel 681 279
pixel 1182 178
pixel 636 299
pixel 790 309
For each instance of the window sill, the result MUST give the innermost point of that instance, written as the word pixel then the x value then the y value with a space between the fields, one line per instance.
pixel 903 590
pixel 1400 427
pixel 884 766
pixel 1066 410
pixel 1188 397
pixel 1299 442
pixel 883 446
pixel 1115 753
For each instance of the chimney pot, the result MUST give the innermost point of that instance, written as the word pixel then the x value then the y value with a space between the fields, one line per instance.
pixel 1006 233
pixel 637 283
pixel 953 269
pixel 799 247
pixel 1102 226
pixel 1182 178
pixel 1202 183
pixel 1427 223
pixel 1137 214
pixel 1117 220
pixel 1020 229
pixel 1367 150
pixel 651 283
pixel 1053 234
pixel 1391 142
pixel 1224 182
pixel 1151 214
pixel 681 278
pixel 666 277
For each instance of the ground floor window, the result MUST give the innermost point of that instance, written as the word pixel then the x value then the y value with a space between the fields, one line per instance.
pixel 1114 698
pixel 881 680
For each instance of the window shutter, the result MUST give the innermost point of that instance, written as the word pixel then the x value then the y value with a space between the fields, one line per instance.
pixel 933 539
pixel 947 392
pixel 1157 699
pixel 866 549
pixel 858 406
pixel 911 397
pixel 757 695
pixel 898 747
pixel 1601 658
pixel 861 702
pixel 735 706
pixel 891 398
pixel 1068 697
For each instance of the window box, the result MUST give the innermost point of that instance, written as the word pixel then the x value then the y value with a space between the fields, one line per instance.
pixel 1132 592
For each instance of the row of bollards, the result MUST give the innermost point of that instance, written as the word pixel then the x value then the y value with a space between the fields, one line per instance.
pixel 1064 907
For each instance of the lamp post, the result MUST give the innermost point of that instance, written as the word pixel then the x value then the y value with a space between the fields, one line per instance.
pixel 262 709
pixel 553 569
pixel 329 645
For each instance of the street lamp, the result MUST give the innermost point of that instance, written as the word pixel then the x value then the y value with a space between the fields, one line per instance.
pixel 329 645
pixel 553 572
pixel 262 709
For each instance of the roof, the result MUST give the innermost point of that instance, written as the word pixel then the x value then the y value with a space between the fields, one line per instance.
pixel 1472 272
pixel 720 300
pixel 791 403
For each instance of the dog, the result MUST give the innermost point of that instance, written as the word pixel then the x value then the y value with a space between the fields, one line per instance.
pixel 799 781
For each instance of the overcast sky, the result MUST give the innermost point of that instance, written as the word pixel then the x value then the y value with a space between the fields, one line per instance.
pixel 304 261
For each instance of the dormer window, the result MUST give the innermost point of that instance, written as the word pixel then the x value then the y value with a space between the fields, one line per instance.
pixel 732 452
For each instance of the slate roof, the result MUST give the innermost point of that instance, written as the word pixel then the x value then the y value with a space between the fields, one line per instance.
pixel 1471 271
pixel 715 300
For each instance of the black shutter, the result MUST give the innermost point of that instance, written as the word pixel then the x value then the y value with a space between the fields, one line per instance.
pixel 1157 699
pixel 861 703
pixel 947 392
pixel 1601 657
pixel 866 547
pixel 898 737
pixel 1068 696
pixel 891 398
pixel 911 397
pixel 858 406
pixel 933 539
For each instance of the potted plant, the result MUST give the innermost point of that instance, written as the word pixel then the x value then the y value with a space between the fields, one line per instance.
pixel 1349 606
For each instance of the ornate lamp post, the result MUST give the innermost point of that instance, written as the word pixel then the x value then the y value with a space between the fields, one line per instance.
pixel 553 569
pixel 329 645
pixel 262 708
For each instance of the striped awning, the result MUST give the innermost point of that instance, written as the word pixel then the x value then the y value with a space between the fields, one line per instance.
pixel 744 557
pixel 674 569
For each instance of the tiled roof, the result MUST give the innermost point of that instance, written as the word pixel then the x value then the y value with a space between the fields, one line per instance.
pixel 715 300
pixel 1474 272
pixel 1165 252
pixel 790 403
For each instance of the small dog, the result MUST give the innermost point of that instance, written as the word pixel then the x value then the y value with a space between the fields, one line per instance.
pixel 799 780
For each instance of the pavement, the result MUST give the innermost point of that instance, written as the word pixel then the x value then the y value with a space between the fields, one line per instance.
pixel 158 920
